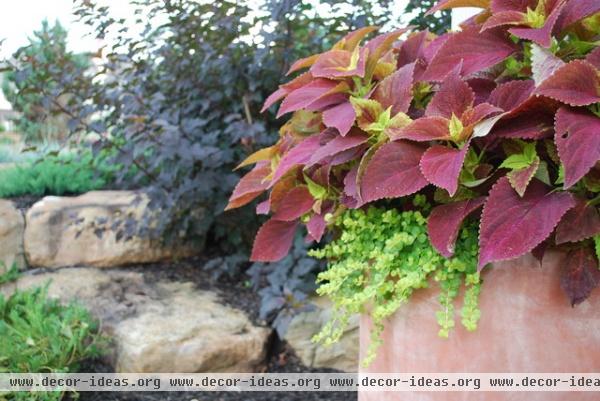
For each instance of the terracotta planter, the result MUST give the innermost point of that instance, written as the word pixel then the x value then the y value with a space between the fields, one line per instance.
pixel 527 325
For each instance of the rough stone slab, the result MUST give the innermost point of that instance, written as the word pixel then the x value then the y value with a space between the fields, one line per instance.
pixel 342 355
pixel 72 231
pixel 12 227
pixel 158 327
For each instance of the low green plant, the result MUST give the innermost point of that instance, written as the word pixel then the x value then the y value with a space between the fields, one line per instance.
pixel 56 174
pixel 10 274
pixel 381 257
pixel 39 335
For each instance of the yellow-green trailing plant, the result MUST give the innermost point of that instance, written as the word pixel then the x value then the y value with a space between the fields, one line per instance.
pixel 381 257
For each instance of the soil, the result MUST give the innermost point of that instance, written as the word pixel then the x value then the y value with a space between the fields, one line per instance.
pixel 235 292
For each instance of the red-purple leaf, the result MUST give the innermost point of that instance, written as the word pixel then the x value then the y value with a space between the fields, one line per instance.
pixel 543 35
pixel 520 179
pixel 340 117
pixel 479 113
pixel 351 197
pixel 273 241
pixel 340 63
pixel 337 145
pixel 396 90
pixel 304 96
pixel 576 84
pixel 250 186
pixel 477 51
pixel 594 58
pixel 423 130
pixel 579 223
pixel 482 87
pixel 298 155
pixel 578 141
pixel 294 204
pixel 382 43
pixel 441 166
pixel 316 227
pixel 303 63
pixel 444 223
pixel 512 5
pixel 512 225
pixel 263 207
pixel 539 251
pixel 412 48
pixel 504 18
pixel 576 10
pixel 512 94
pixel 393 172
pixel 454 97
pixel 579 274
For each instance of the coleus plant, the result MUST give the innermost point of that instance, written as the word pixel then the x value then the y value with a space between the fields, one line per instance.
pixel 499 121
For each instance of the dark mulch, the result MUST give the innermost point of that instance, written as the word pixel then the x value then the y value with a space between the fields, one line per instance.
pixel 235 292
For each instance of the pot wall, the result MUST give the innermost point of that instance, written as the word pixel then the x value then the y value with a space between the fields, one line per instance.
pixel 527 325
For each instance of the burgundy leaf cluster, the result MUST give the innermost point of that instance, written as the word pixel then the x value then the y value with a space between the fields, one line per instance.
pixel 499 121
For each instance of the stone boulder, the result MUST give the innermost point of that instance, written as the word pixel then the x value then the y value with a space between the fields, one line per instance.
pixel 71 231
pixel 12 226
pixel 342 355
pixel 161 326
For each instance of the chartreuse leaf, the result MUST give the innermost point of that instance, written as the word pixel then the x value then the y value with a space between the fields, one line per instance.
pixel 380 258
pixel 455 126
pixel 317 191
pixel 521 160
pixel 597 246
pixel 367 112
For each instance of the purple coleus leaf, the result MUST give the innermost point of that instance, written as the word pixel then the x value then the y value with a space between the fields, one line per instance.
pixel 578 141
pixel 576 83
pixel 520 179
pixel 504 18
pixel 395 90
pixel 512 94
pixel 316 227
pixel 250 186
pixel 337 145
pixel 594 58
pixel 454 97
pixel 423 130
pixel 393 171
pixel 351 197
pixel 579 223
pixel 542 35
pixel 302 97
pixel 441 166
pixel 576 10
pixel 579 274
pixel 476 50
pixel 512 225
pixel 340 63
pixel 273 241
pixel 444 223
pixel 294 204
pixel 498 6
pixel 299 155
pixel 340 117
pixel 286 89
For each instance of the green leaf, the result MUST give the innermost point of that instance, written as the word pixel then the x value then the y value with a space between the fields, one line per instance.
pixel 317 191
